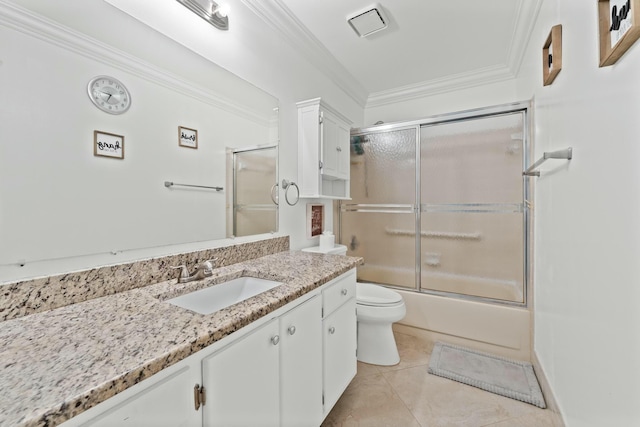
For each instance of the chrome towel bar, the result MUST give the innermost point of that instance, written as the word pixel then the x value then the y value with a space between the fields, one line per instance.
pixel 560 154
pixel 171 184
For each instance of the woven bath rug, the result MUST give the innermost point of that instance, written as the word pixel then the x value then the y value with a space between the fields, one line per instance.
pixel 498 375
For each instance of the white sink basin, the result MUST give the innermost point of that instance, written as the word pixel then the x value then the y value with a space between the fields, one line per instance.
pixel 217 297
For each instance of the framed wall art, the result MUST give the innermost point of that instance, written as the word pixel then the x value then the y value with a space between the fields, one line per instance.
pixel 187 137
pixel 107 144
pixel 619 28
pixel 552 55
pixel 315 220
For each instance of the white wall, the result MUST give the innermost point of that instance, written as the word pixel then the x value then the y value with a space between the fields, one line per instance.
pixel 587 273
pixel 251 49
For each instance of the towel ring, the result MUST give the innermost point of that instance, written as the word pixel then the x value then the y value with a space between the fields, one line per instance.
pixel 274 197
pixel 286 184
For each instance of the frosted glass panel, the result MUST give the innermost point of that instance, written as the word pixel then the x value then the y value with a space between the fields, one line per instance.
pixel 254 175
pixel 386 242
pixel 383 168
pixel 473 161
pixel 477 254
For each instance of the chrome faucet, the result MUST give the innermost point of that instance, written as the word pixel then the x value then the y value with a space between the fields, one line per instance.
pixel 202 270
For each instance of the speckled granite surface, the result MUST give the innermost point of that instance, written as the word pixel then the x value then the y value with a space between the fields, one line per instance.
pixel 37 295
pixel 58 363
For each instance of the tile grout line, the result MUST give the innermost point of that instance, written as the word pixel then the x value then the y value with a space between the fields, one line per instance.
pixel 395 392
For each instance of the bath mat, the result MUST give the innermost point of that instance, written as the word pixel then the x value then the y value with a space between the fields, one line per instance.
pixel 498 375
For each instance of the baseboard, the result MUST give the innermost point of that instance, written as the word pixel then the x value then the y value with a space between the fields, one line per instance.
pixel 549 398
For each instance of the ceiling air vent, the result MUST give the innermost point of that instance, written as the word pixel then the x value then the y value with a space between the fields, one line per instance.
pixel 369 21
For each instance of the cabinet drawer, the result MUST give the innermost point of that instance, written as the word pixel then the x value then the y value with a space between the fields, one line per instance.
pixel 339 292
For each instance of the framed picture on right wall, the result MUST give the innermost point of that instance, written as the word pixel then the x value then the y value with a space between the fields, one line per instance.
pixel 619 28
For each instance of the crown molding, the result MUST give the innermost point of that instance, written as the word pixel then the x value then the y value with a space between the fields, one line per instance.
pixel 24 21
pixel 442 85
pixel 525 22
pixel 527 16
pixel 280 18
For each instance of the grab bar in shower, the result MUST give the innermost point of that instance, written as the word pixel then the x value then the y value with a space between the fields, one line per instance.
pixel 435 234
pixel 560 154
pixel 171 184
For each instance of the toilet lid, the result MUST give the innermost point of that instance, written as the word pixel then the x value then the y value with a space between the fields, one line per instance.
pixel 369 294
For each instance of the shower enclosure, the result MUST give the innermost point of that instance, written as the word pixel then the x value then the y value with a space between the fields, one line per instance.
pixel 439 205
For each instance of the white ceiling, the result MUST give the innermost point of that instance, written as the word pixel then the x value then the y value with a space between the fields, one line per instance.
pixel 430 45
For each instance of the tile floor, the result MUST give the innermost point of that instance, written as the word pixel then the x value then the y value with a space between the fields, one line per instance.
pixel 406 395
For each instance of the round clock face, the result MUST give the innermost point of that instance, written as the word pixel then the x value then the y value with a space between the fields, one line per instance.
pixel 109 95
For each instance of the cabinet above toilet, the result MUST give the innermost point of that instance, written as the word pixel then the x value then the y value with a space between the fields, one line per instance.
pixel 323 151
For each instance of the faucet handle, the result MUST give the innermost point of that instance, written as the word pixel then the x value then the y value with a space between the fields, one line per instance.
pixel 207 266
pixel 184 274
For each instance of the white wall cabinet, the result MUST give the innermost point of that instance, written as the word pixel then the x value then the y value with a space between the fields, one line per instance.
pixel 323 151
pixel 287 369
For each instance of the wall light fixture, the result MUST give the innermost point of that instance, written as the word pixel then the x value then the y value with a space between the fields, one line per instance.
pixel 210 11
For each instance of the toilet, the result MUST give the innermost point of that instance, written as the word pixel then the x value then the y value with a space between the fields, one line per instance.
pixel 377 308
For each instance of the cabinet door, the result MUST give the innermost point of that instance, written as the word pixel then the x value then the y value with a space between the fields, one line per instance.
pixel 343 136
pixel 330 147
pixel 301 365
pixel 340 364
pixel 241 381
pixel 168 401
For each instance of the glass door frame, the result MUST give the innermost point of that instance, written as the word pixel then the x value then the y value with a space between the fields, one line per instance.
pixel 523 106
pixel 234 154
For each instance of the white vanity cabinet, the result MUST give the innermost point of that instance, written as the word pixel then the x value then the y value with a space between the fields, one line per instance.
pixel 164 399
pixel 241 381
pixel 301 365
pixel 271 377
pixel 286 369
pixel 323 151
pixel 339 339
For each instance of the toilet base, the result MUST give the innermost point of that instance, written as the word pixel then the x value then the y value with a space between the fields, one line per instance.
pixel 376 344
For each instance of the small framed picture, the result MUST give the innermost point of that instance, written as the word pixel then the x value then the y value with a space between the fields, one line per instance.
pixel 315 220
pixel 187 137
pixel 107 144
pixel 619 28
pixel 552 55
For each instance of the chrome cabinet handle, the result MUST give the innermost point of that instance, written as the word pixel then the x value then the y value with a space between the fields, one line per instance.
pixel 332 330
pixel 339 149
pixel 292 330
pixel 344 292
pixel 275 339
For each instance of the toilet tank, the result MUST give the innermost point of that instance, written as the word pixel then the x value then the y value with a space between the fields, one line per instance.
pixel 336 250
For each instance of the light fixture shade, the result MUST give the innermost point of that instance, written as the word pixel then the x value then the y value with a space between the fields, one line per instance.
pixel 207 10
pixel 368 21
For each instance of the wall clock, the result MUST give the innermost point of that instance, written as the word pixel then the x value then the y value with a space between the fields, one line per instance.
pixel 109 94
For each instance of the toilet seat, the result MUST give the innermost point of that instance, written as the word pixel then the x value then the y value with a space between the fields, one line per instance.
pixel 376 296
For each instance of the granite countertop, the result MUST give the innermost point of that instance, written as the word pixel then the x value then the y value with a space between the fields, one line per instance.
pixel 59 363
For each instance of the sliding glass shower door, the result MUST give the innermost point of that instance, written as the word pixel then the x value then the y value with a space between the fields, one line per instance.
pixel 472 207
pixel 379 222
pixel 438 206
